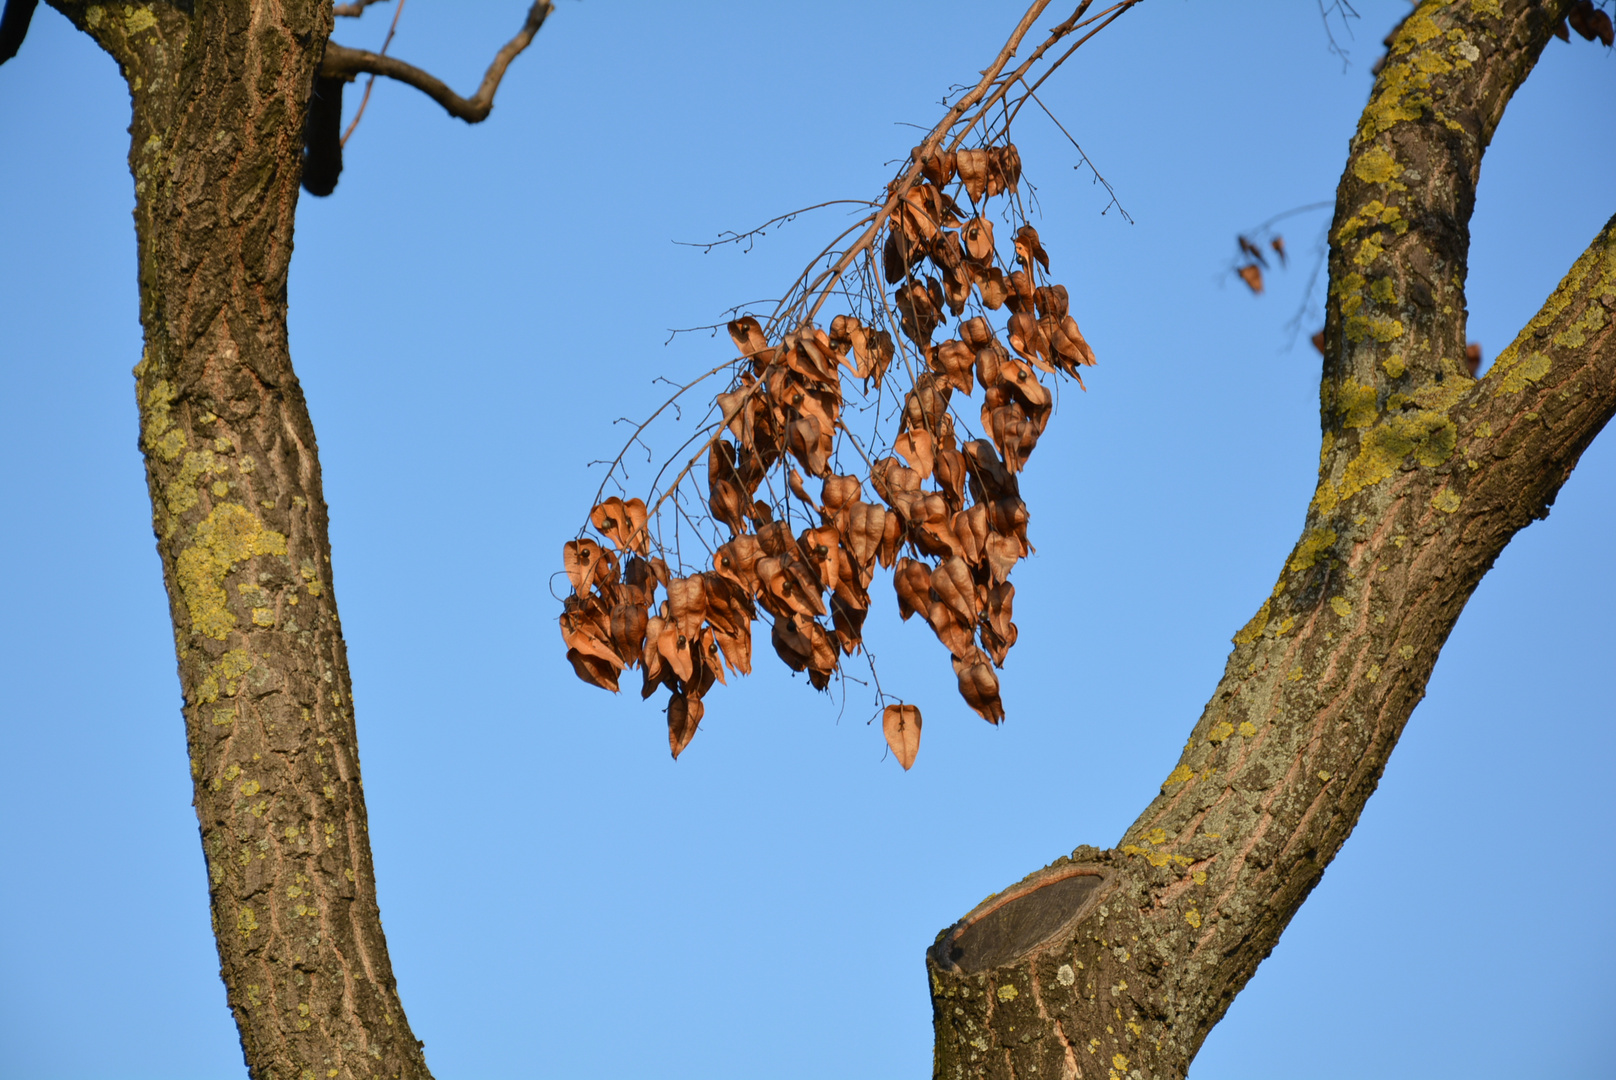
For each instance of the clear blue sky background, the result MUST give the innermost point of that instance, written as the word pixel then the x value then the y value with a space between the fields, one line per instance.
pixel 473 309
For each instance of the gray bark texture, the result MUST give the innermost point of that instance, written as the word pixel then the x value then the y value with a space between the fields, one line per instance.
pixel 1425 473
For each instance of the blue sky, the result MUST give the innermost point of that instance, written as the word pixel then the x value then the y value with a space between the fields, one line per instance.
pixel 473 309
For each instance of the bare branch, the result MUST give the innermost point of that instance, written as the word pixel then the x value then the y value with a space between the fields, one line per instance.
pixel 1346 12
pixel 345 63
pixel 370 85
pixel 1109 190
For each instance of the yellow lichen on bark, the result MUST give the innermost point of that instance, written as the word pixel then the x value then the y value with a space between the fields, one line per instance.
pixel 229 535
pixel 1307 552
pixel 1254 629
pixel 1428 435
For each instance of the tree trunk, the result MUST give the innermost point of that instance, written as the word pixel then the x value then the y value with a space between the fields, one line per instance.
pixel 1118 963
pixel 220 91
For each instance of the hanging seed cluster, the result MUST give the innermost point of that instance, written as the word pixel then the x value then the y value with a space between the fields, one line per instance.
pixel 942 509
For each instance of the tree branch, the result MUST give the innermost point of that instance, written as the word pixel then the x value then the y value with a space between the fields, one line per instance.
pixel 353 10
pixel 1545 398
pixel 1425 475
pixel 342 62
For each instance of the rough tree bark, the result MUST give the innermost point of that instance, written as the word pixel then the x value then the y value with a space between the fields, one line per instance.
pixel 1118 963
pixel 219 92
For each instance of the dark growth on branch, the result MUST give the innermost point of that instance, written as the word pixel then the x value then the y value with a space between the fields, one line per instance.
pixel 14 26
pixel 322 137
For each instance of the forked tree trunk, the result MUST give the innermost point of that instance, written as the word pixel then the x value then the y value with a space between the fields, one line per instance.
pixel 1118 963
pixel 219 91
pixel 1113 963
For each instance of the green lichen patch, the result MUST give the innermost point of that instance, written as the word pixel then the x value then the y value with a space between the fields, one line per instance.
pixel 1401 94
pixel 1575 336
pixel 158 434
pixel 1376 166
pixel 222 677
pixel 1181 775
pixel 1416 30
pixel 231 534
pixel 1356 402
pixel 1516 374
pixel 1308 551
pixel 1254 629
pixel 179 494
pixel 1428 435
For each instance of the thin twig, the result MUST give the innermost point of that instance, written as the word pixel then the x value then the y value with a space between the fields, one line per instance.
pixel 1086 160
pixel 1346 11
pixel 728 237
pixel 391 30
pixel 1109 15
pixel 664 407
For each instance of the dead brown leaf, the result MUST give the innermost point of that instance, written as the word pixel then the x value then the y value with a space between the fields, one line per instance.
pixel 584 561
pixel 971 530
pixel 866 524
pixel 912 580
pixel 972 166
pixel 937 167
pixel 1002 554
pixel 952 360
pixel 687 604
pixel 623 523
pixel 957 639
pixel 593 670
pixel 901 725
pixel 1006 165
pixel 1029 248
pixel 675 649
pixel 628 632
pixel 977 234
pixel 736 561
pixel 952 584
pixel 916 447
pixel 979 686
pixel 747 334
pixel 991 285
pixel 684 714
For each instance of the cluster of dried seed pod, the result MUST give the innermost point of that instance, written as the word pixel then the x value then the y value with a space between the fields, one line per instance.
pixel 950 521
pixel 1589 22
